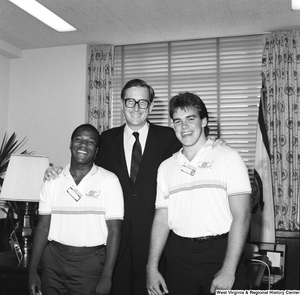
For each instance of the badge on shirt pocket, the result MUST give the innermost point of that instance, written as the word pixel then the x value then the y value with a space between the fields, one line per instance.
pixel 92 194
pixel 205 165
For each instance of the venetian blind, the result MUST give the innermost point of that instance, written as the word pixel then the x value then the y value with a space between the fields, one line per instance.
pixel 224 72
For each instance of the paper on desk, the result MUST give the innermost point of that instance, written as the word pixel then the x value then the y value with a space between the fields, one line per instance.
pixel 274 257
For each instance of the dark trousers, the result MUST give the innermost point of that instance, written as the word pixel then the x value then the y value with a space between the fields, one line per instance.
pixel 130 273
pixel 71 270
pixel 191 266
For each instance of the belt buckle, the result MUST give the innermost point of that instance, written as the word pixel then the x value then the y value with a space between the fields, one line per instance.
pixel 200 239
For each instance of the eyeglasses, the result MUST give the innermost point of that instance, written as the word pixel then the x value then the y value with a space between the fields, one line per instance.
pixel 142 103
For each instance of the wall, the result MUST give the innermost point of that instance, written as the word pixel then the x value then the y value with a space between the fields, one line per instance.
pixel 47 99
pixel 4 94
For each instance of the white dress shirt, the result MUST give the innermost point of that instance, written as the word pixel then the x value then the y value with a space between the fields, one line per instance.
pixel 129 141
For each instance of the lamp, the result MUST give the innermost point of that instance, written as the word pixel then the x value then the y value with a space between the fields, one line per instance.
pixel 22 183
pixel 44 15
pixel 295 4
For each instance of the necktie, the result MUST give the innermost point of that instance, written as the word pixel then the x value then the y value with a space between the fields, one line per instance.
pixel 135 158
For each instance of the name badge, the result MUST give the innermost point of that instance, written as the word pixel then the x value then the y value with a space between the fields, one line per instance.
pixel 74 193
pixel 188 169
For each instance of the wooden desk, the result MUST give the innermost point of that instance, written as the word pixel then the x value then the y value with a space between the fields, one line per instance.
pixel 276 254
pixel 13 279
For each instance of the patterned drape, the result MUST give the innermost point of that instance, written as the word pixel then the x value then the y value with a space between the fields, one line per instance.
pixel 100 71
pixel 281 72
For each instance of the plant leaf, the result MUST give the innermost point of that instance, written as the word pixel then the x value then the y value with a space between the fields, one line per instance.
pixel 9 146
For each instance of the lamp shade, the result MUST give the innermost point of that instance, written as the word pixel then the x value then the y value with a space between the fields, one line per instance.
pixel 24 178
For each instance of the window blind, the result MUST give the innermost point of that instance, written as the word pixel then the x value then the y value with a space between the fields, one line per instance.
pixel 148 62
pixel 240 86
pixel 224 72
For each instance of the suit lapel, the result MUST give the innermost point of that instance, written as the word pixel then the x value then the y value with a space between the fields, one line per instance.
pixel 119 155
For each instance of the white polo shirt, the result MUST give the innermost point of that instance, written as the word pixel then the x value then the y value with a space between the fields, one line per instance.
pixel 83 222
pixel 196 193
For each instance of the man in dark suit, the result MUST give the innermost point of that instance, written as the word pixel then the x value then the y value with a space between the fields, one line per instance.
pixel 157 144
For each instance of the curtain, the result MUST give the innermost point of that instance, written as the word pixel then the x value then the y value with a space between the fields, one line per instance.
pixel 263 218
pixel 281 70
pixel 100 72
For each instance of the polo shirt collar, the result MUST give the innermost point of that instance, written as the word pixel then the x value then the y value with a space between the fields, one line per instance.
pixel 182 159
pixel 66 171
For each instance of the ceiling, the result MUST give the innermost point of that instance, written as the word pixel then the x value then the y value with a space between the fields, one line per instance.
pixel 141 21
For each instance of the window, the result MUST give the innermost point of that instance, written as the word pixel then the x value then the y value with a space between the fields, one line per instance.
pixel 224 72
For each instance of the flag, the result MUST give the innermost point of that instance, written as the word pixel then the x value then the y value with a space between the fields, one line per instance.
pixel 263 219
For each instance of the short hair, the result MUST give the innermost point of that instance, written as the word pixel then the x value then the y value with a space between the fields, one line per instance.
pixel 90 127
pixel 138 83
pixel 188 100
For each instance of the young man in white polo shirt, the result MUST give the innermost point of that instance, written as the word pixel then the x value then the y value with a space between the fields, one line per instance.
pixel 202 210
pixel 79 229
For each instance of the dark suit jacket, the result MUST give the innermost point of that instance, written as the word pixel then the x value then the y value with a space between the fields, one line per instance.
pixel 139 200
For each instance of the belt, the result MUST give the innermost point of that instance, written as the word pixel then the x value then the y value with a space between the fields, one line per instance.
pixel 73 249
pixel 205 239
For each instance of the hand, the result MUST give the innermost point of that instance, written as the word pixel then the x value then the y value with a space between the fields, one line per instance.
pixel 156 284
pixel 52 173
pixel 104 286
pixel 223 280
pixel 34 283
pixel 219 142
